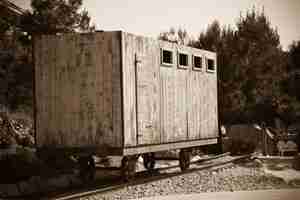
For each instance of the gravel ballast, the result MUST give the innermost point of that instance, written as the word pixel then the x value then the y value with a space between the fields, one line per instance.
pixel 235 178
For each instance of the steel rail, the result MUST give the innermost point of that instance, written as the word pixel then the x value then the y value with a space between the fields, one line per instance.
pixel 153 178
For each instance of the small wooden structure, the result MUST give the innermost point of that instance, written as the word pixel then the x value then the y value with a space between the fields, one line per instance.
pixel 288 146
pixel 116 93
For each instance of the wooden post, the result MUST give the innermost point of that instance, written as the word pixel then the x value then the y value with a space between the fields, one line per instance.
pixel 220 138
pixel 264 139
pixel 33 89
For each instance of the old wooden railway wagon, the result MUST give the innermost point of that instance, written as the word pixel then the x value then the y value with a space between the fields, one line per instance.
pixel 115 93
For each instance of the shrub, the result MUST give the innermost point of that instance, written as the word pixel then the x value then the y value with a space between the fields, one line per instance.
pixel 239 146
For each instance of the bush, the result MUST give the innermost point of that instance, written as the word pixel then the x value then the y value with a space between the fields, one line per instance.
pixel 239 146
pixel 20 166
pixel 16 128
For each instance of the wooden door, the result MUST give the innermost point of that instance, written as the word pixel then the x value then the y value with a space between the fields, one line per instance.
pixel 147 98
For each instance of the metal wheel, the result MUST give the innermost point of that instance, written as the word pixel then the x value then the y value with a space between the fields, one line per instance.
pixel 87 168
pixel 128 167
pixel 149 161
pixel 184 159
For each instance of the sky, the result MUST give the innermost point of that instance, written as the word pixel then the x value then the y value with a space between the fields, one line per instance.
pixel 150 17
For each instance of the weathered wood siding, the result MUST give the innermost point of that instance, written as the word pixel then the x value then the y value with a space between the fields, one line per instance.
pixel 165 104
pixel 110 89
pixel 78 90
pixel 141 90
pixel 202 100
pixel 173 98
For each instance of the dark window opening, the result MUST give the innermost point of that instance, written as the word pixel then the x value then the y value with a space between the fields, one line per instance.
pixel 183 59
pixel 167 57
pixel 210 64
pixel 197 62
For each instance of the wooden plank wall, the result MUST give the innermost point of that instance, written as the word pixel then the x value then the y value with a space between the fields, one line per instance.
pixel 78 90
pixel 129 93
pixel 141 90
pixel 187 99
pixel 167 103
pixel 173 98
pixel 195 92
pixel 202 100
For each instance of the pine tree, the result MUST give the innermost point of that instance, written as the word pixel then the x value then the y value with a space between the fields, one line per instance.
pixel 16 67
pixel 252 66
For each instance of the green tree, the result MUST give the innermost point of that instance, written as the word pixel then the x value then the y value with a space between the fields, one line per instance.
pixel 251 68
pixel 210 39
pixel 289 103
pixel 294 56
pixel 15 71
pixel 179 36
pixel 293 80
pixel 57 16
pixel 262 64
pixel 16 67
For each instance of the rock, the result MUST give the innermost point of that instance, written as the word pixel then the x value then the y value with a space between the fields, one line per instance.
pixel 62 181
pixel 14 131
pixel 27 153
pixel 115 161
pixel 10 150
pixel 9 190
pixel 55 183
pixel 45 187
pixel 257 163
pixel 195 158
pixel 296 163
pixel 74 180
pixel 36 181
pixel 27 188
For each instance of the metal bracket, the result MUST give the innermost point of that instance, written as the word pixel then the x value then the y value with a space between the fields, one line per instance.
pixel 137 59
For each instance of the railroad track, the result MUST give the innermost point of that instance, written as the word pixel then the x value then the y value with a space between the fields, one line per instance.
pixel 155 175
